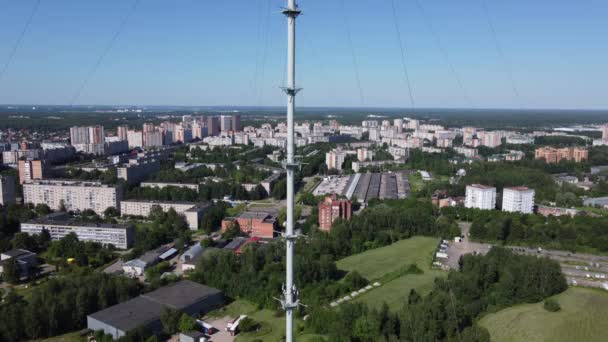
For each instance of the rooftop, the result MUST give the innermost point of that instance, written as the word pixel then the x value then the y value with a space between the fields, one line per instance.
pixel 148 307
pixel 15 253
pixel 480 186
pixel 64 221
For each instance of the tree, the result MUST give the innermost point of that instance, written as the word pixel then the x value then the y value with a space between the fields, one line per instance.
pixel 258 193
pixel 551 305
pixel 187 323
pixel 24 241
pixel 12 272
pixel 232 230
pixel 42 209
pixel 247 324
pixel 111 212
pixel 279 191
pixel 170 319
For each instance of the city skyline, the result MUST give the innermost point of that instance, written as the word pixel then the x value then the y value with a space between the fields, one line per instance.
pixel 205 56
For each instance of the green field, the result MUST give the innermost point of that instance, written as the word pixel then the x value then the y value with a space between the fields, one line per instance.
pixel 69 337
pixel 375 263
pixel 272 325
pixel 583 317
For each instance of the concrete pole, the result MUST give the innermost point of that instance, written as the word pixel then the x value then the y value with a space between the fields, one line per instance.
pixel 290 300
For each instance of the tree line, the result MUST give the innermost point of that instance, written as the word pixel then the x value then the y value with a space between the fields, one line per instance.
pixel 450 311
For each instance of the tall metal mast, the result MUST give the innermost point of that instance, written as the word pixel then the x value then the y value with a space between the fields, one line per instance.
pixel 290 293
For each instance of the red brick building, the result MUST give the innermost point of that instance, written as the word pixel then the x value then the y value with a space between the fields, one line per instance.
pixel 253 223
pixel 331 209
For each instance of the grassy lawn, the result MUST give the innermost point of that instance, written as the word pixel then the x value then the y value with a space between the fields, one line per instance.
pixel 374 263
pixel 69 337
pixel 416 182
pixel 583 317
pixel 272 326
pixel 378 262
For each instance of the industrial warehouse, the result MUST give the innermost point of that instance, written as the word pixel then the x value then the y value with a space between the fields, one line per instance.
pixel 367 186
pixel 145 311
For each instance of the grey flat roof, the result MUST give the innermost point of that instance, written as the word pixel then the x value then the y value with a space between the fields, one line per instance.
pixel 181 294
pixel 131 314
pixel 148 307
pixel 72 223
pixel 16 253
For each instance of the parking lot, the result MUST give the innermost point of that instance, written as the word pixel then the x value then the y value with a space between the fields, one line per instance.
pixel 579 269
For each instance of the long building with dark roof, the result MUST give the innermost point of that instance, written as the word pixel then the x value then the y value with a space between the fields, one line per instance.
pixel 145 311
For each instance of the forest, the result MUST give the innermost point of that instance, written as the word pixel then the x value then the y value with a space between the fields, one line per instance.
pixel 61 304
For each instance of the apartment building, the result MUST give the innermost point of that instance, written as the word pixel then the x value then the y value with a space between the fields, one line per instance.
pixel 7 190
pixel 555 155
pixel 518 199
pixel 334 159
pixel 330 209
pixel 58 225
pixel 191 211
pixel 480 197
pixel 254 223
pixel 73 195
pixel 161 185
pixel 30 170
pixel 138 170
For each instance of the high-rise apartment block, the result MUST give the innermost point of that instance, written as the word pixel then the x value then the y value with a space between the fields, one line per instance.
pixel 30 170
pixel 213 125
pixel 73 195
pixel 7 190
pixel 330 209
pixel 334 159
pixel 236 123
pixel 480 197
pixel 518 199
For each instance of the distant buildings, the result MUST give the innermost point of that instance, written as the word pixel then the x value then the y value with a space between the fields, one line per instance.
pixel 555 155
pixel 89 139
pixel 7 190
pixel 30 170
pixel 364 154
pixel 254 223
pixel 138 170
pixel 58 225
pixel 556 211
pixel 480 197
pixel 334 159
pixel 73 195
pixel 518 200
pixel 192 212
pixel 162 185
pixel 135 139
pixel 332 208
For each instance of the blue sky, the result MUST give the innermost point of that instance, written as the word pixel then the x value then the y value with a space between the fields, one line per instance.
pixel 203 52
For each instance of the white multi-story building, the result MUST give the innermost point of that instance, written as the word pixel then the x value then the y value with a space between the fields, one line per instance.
pixel 480 197
pixel 334 159
pixel 364 154
pixel 135 139
pixel 399 152
pixel 518 199
pixel 191 211
pixel 491 139
pixel 161 185
pixel 119 235
pixel 73 195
